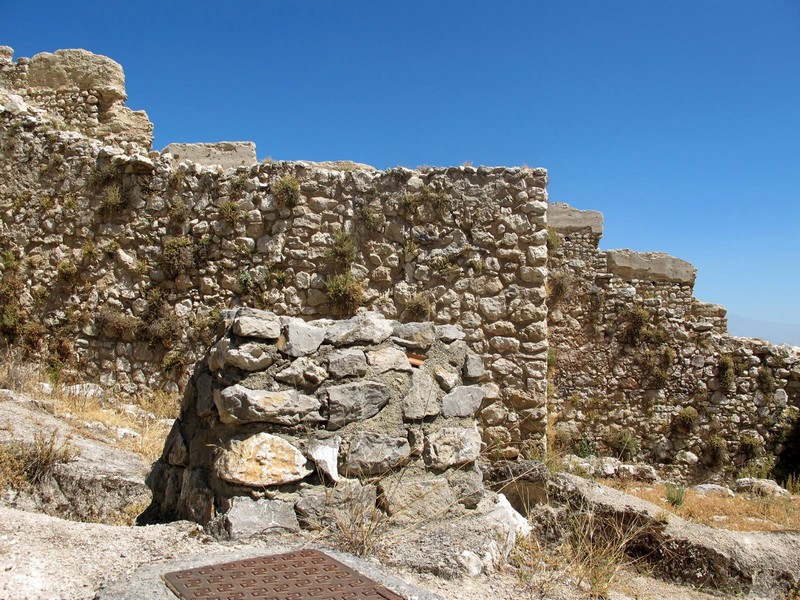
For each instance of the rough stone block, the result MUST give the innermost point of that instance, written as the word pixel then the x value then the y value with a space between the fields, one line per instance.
pixel 650 266
pixel 225 154
pixel 248 517
pixel 238 404
pixel 355 401
pixel 566 219
pixel 373 453
pixel 260 460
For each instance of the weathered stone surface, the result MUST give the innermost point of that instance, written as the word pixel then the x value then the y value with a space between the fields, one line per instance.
pixel 176 452
pixel 248 517
pixel 349 501
pixel 364 328
pixel 325 454
pixel 416 499
pixel 463 401
pixel 762 487
pixel 388 359
pixel 205 399
pixel 473 366
pixel 566 219
pixel 422 399
pixel 373 453
pixel 225 154
pixel 299 338
pixel 451 446
pixel 479 544
pixel 260 460
pixel 449 333
pixel 77 69
pixel 467 485
pixel 650 266
pixel 250 356
pixel 355 401
pixel 446 378
pixel 713 489
pixel 414 335
pixel 303 372
pixel 257 323
pixel 238 404
pixel 347 362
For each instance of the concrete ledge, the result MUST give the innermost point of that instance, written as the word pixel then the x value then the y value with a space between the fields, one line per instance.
pixel 566 219
pixel 650 266
pixel 226 154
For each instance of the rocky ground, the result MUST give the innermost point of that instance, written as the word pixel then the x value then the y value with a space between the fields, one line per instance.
pixel 47 556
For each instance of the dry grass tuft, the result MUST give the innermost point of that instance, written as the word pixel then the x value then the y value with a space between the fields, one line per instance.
pixel 592 552
pixel 743 512
pixel 23 465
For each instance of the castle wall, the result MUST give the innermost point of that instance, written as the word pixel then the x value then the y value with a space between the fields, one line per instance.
pixel 117 262
pixel 641 369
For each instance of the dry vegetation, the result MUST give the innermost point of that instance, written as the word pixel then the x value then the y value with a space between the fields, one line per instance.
pixel 743 512
pixel 139 424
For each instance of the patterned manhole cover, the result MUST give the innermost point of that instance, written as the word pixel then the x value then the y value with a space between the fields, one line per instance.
pixel 291 576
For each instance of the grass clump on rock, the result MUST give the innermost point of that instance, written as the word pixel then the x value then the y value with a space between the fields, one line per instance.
pixel 287 191
pixel 178 256
pixel 344 292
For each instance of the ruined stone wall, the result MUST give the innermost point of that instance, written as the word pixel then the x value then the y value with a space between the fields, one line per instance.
pixel 81 91
pixel 639 368
pixel 117 262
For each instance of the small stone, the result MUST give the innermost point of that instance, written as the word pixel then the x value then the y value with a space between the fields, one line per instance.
pixel 714 490
pixel 325 454
pixel 446 378
pixel 473 366
pixel 463 401
pixel 303 372
pixel 365 328
pixel 355 401
pixel 374 453
pixel 238 404
pixel 260 460
pixel 347 362
pixel 388 359
pixel 250 356
pixel 451 446
pixel 419 336
pixel 449 333
pixel 418 499
pixel 422 399
pixel 299 338
pixel 257 323
pixel 248 517
pixel 762 487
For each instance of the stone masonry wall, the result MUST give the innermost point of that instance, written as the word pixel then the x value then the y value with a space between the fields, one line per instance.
pixel 83 91
pixel 641 369
pixel 117 262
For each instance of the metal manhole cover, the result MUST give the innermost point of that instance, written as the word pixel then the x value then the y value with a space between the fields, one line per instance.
pixel 291 576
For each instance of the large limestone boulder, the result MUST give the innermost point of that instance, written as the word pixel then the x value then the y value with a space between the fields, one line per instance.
pixel 78 69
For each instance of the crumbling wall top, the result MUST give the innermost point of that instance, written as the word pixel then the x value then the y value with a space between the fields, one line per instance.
pixel 566 219
pixel 225 154
pixel 77 69
pixel 650 266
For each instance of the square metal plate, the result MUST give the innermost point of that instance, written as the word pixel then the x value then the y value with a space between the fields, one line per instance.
pixel 290 576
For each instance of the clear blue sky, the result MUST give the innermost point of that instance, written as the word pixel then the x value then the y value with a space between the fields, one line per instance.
pixel 679 119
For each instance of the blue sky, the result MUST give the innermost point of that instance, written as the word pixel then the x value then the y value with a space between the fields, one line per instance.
pixel 679 120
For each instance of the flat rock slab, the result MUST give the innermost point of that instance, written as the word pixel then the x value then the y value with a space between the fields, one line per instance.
pixel 356 401
pixel 147 581
pixel 238 404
